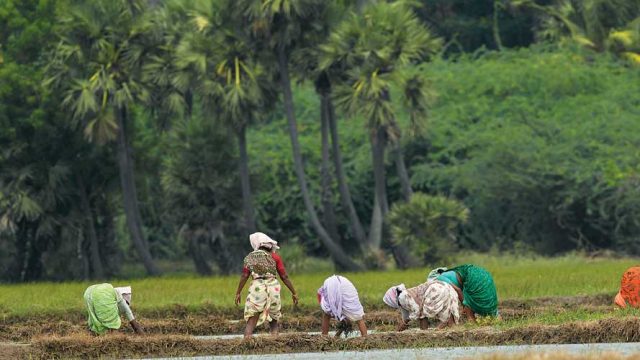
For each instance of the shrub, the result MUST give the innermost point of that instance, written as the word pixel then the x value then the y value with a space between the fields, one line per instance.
pixel 427 226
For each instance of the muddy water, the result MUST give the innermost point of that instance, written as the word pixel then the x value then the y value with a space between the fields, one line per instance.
pixel 441 353
pixel 352 334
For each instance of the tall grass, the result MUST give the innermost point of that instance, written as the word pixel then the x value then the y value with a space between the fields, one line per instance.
pixel 516 278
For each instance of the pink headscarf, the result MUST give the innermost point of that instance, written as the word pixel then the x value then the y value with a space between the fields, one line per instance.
pixel 259 239
pixel 391 296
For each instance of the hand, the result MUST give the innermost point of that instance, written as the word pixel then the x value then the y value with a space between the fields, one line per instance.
pixel 136 327
pixel 237 298
pixel 295 299
pixel 402 326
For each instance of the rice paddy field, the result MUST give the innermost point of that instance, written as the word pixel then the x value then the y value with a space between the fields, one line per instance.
pixel 542 301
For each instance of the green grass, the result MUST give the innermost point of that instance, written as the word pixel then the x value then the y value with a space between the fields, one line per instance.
pixel 516 278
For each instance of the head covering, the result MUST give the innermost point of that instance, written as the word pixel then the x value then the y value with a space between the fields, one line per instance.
pixel 125 292
pixel 259 239
pixel 339 298
pixel 441 301
pixel 433 274
pixel 391 296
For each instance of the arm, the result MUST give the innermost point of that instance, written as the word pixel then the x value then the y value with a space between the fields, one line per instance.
pixel 363 327
pixel 404 321
pixel 287 282
pixel 124 308
pixel 471 316
pixel 459 292
pixel 285 278
pixel 243 280
pixel 325 324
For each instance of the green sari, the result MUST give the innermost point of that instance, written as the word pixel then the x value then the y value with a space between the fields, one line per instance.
pixel 102 308
pixel 478 289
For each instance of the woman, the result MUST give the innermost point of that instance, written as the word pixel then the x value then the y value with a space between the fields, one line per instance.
pixel 431 300
pixel 339 299
pixel 476 289
pixel 263 302
pixel 105 304
pixel 629 294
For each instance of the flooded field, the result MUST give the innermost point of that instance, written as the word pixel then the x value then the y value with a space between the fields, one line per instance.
pixel 544 321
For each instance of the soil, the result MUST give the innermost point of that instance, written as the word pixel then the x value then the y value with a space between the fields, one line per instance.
pixel 170 332
pixel 121 345
pixel 13 351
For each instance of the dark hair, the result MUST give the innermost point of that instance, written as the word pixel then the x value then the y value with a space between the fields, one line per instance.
pixel 262 247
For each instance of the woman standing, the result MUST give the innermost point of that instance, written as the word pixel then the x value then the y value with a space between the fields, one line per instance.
pixel 104 306
pixel 263 302
pixel 475 288
pixel 339 300
pixel 430 300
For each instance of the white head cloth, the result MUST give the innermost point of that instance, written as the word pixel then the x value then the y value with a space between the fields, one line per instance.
pixel 391 296
pixel 259 239
pixel 125 292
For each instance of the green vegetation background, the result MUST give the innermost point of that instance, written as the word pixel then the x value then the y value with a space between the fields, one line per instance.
pixel 539 141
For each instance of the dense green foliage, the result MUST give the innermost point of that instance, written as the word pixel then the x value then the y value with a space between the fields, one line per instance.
pixel 138 131
pixel 541 146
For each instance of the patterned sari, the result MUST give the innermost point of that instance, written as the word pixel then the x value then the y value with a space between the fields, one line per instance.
pixel 264 291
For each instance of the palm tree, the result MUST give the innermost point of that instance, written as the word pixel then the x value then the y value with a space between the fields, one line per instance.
pixel 217 53
pixel 375 49
pixel 98 65
pixel 282 24
pixel 305 61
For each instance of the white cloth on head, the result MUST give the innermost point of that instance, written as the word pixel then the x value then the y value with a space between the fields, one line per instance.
pixel 391 296
pixel 259 239
pixel 441 302
pixel 339 299
pixel 125 292
pixel 123 297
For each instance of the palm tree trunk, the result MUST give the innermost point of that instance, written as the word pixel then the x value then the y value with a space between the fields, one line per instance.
pixel 220 248
pixel 496 25
pixel 328 213
pixel 360 4
pixel 375 227
pixel 381 204
pixel 243 164
pixel 129 195
pixel 379 144
pixel 403 175
pixel 403 257
pixel 94 251
pixel 202 267
pixel 343 187
pixel 337 253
